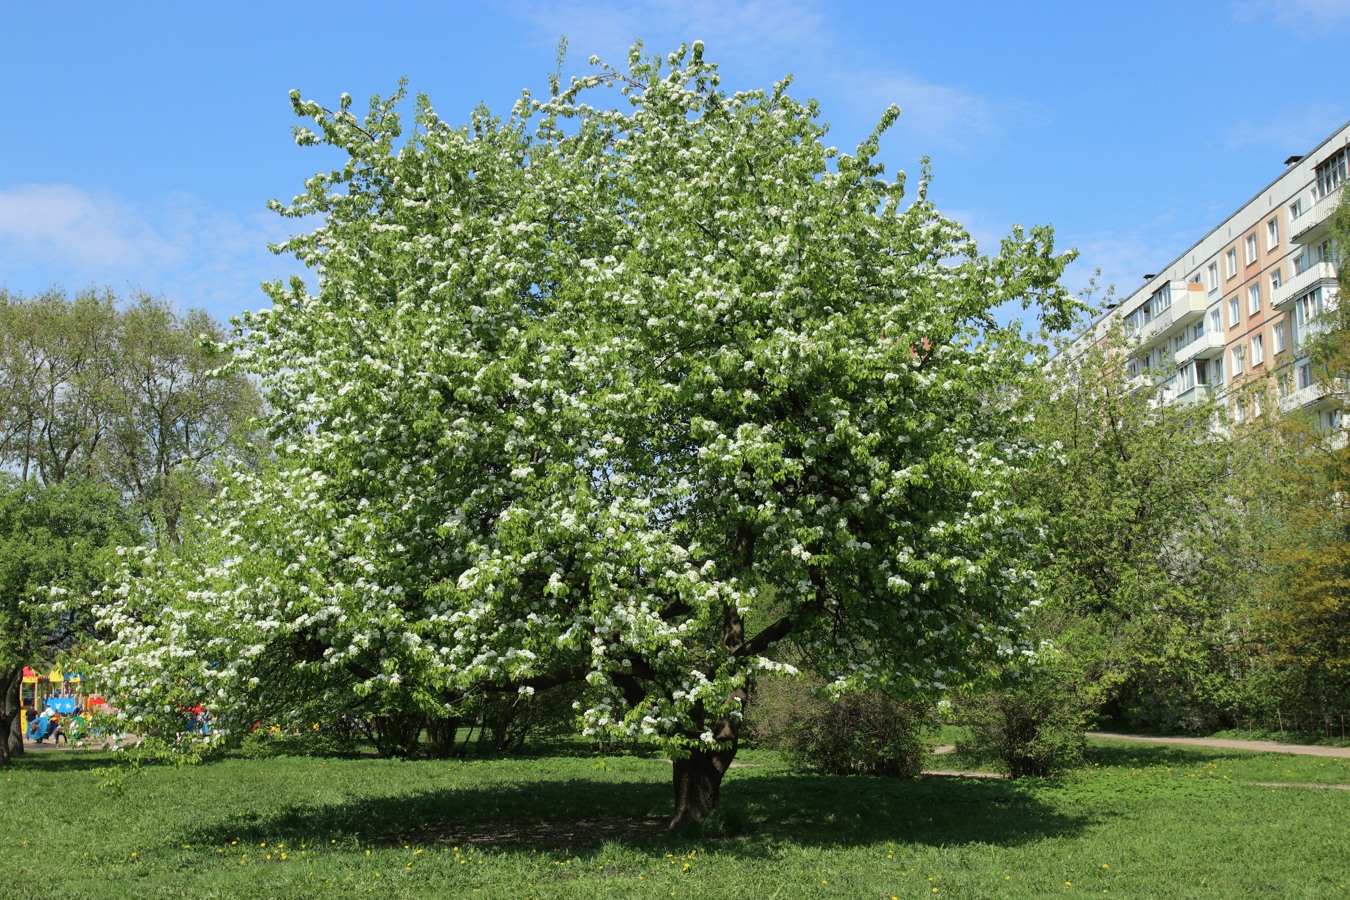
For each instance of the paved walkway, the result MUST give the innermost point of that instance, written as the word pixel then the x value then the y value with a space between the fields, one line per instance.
pixel 1227 744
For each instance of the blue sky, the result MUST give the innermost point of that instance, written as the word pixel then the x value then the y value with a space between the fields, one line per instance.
pixel 141 142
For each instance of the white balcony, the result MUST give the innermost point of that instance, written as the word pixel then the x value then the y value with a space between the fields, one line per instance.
pixel 1188 306
pixel 1305 226
pixel 1301 283
pixel 1302 397
pixel 1207 346
pixel 1198 394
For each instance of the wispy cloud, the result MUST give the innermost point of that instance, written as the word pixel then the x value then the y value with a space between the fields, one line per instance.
pixel 1307 17
pixel 1118 260
pixel 1288 131
pixel 758 39
pixel 177 247
pixel 609 28
pixel 61 223
pixel 932 115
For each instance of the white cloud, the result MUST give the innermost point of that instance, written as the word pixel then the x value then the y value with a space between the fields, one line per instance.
pixel 63 224
pixel 931 115
pixel 1122 258
pixel 60 235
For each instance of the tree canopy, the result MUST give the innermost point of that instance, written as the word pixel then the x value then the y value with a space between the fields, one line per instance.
pixel 657 396
pixel 133 394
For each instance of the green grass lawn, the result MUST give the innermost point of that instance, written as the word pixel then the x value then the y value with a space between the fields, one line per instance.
pixel 1138 821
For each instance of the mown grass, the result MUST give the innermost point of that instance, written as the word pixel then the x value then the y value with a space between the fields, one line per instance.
pixel 1138 821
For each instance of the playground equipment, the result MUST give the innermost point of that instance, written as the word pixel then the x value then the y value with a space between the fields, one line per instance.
pixel 56 690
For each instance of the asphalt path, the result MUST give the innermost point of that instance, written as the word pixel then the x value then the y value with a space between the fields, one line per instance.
pixel 1229 744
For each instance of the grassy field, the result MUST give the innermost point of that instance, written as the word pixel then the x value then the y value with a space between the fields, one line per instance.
pixel 1137 821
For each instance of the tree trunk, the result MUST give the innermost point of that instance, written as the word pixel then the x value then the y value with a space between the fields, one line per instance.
pixel 698 785
pixel 11 739
pixel 6 723
pixel 441 734
pixel 16 736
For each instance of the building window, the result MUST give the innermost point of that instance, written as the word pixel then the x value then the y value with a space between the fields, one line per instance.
pixel 1302 262
pixel 1138 319
pixel 1233 319
pixel 1258 351
pixel 1253 299
pixel 1160 301
pixel 1273 233
pixel 1251 249
pixel 1330 173
pixel 1237 360
pixel 1295 209
pixel 1278 337
pixel 1230 258
pixel 1216 374
pixel 1304 376
pixel 1215 321
pixel 1285 383
pixel 1213 277
pixel 1307 309
pixel 1256 406
pixel 1276 279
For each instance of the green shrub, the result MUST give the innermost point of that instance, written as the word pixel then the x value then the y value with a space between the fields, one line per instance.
pixel 858 734
pixel 1031 723
pixel 768 716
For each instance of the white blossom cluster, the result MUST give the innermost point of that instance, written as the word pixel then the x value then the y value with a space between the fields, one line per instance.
pixel 607 391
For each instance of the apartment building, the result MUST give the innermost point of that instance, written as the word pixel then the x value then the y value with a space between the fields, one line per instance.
pixel 1241 303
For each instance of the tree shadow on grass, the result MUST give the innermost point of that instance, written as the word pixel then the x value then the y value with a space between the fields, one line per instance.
pixel 758 814
pixel 77 760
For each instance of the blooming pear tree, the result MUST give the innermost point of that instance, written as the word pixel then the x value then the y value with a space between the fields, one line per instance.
pixel 644 386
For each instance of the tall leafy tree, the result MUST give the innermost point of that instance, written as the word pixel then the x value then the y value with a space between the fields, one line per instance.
pixel 57 357
pixel 133 394
pixel 649 397
pixel 57 543
pixel 1152 560
pixel 1308 592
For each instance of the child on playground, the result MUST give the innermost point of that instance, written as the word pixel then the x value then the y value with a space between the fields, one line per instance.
pixel 54 729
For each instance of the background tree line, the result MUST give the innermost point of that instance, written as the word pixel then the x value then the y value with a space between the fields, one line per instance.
pixel 113 417
pixel 1197 570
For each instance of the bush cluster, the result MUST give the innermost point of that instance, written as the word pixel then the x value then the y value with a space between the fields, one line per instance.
pixel 1031 724
pixel 866 733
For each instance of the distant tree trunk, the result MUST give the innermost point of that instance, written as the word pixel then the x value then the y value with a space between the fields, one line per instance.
pixel 396 735
pixel 441 737
pixel 9 714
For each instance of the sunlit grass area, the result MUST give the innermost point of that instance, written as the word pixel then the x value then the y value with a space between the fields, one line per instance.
pixel 1137 821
